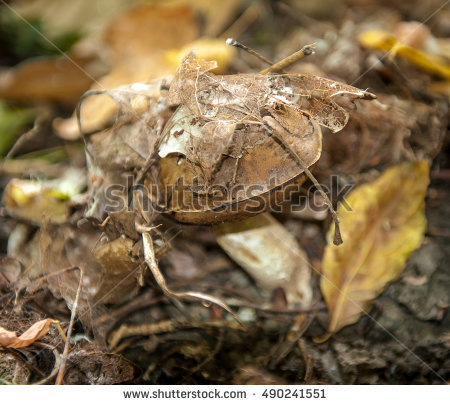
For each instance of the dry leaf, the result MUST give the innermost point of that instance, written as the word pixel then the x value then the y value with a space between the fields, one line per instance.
pixel 385 132
pixel 270 254
pixel 111 268
pixel 124 148
pixel 207 49
pixel 385 225
pixel 227 126
pixel 34 332
pixel 121 271
pixel 47 79
pixel 137 41
pixel 382 40
pixel 31 199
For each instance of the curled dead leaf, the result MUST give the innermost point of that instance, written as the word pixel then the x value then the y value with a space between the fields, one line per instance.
pixel 34 332
pixel 214 149
pixel 120 267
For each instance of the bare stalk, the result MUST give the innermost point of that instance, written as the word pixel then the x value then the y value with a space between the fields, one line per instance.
pixel 236 44
pixel 290 60
pixel 150 259
pixel 60 375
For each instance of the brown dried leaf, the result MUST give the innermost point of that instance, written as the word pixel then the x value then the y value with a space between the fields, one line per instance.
pixel 386 132
pixel 54 79
pixel 64 249
pixel 34 332
pixel 118 152
pixel 111 268
pixel 137 40
pixel 264 110
pixel 121 271
pixel 215 139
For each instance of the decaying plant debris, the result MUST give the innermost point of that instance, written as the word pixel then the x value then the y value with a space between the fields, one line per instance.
pixel 227 126
pixel 148 245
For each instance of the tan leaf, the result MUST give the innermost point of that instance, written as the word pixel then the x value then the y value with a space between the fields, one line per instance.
pixel 385 225
pixel 55 79
pixel 34 332
pixel 137 41
pixel 121 271
pixel 270 254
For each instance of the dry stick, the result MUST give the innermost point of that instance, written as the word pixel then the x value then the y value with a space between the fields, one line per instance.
pixel 283 135
pixel 150 259
pixel 291 59
pixel 60 376
pixel 165 327
pixel 236 44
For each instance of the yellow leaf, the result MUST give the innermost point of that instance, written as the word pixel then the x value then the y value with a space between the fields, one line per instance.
pixel 382 40
pixel 207 49
pixel 31 199
pixel 384 226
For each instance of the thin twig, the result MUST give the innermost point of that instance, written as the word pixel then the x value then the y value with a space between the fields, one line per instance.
pixel 237 44
pixel 291 59
pixel 283 136
pixel 150 259
pixel 60 376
